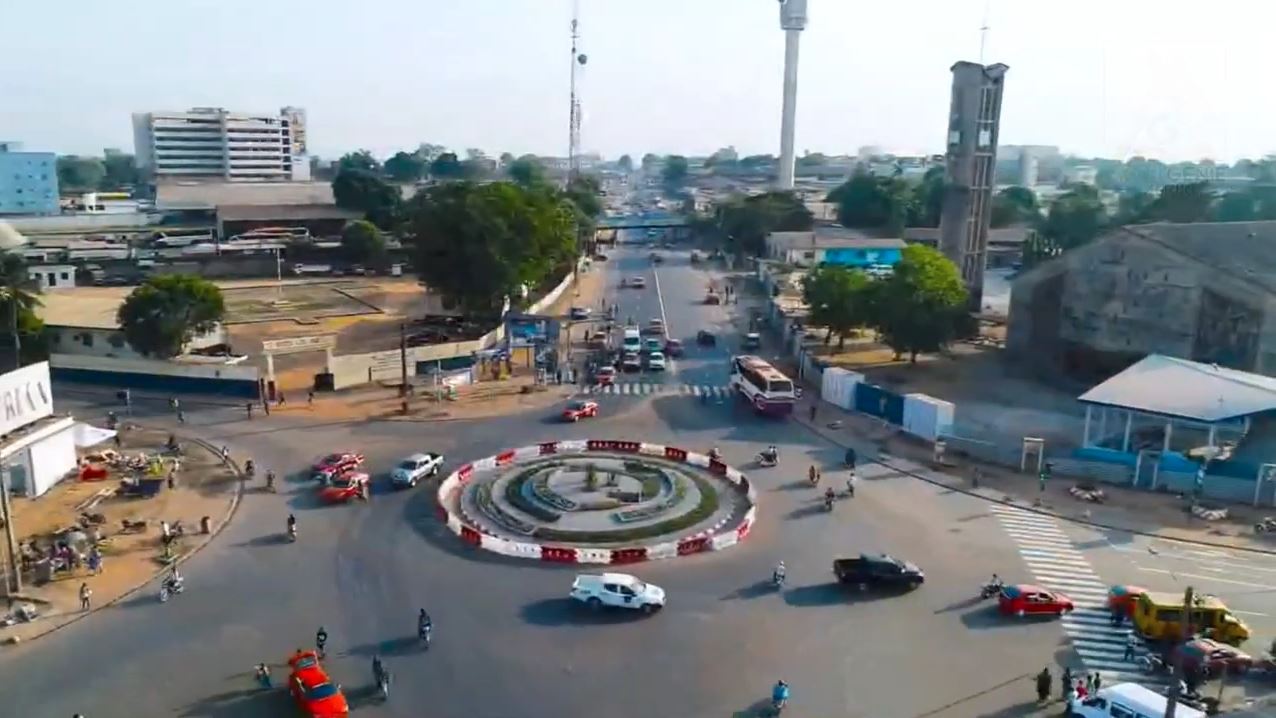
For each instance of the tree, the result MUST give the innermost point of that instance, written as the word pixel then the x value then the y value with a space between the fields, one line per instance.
pixel 649 161
pixel 1075 217
pixel 361 160
pixel 921 307
pixel 362 242
pixel 674 172
pixel 626 163
pixel 427 152
pixel 19 296
pixel 405 167
pixel 446 167
pixel 1236 207
pixel 928 199
pixel 868 202
pixel 505 160
pixel 1182 203
pixel 527 171
pixel 361 191
pixel 746 221
pixel 160 317
pixel 1014 205
pixel 321 169
pixel 812 159
pixel 478 243
pixel 840 299
pixel 80 174
pixel 120 170
pixel 585 193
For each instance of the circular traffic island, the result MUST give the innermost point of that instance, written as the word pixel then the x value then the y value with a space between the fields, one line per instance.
pixel 598 502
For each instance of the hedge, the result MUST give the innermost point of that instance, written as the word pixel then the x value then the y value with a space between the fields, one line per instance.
pixel 514 494
pixel 703 510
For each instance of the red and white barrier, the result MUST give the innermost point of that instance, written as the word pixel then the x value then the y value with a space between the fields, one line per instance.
pixel 710 540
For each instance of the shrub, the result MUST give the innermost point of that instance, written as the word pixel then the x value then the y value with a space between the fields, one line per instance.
pixel 591 478
pixel 514 494
pixel 703 510
pixel 483 497
pixel 540 489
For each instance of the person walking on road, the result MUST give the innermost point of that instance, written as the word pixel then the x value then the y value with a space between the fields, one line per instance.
pixel 1131 644
pixel 1043 684
pixel 85 594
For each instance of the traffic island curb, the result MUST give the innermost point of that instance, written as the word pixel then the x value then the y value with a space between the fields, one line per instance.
pixel 709 540
pixel 207 539
pixel 953 484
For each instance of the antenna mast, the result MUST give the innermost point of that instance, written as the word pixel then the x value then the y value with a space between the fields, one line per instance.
pixel 983 31
pixel 573 139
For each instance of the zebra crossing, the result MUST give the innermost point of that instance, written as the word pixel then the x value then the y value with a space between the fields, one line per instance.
pixel 646 388
pixel 1056 564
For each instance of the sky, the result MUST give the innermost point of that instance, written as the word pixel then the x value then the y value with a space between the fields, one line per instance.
pixel 1113 78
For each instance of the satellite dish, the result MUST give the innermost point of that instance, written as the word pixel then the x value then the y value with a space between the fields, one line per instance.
pixel 582 58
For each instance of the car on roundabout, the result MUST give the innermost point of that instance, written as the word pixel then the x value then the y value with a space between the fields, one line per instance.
pixel 617 590
pixel 334 464
pixel 1028 600
pixel 342 488
pixel 605 376
pixel 637 282
pixel 413 468
pixel 880 570
pixel 578 410
pixel 313 690
pixel 655 361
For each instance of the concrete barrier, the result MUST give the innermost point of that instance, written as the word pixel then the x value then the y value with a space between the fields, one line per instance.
pixel 593 555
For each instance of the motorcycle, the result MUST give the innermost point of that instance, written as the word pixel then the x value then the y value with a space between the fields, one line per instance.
pixel 292 533
pixel 423 632
pixel 779 699
pixel 990 589
pixel 777 580
pixel 383 685
pixel 714 454
pixel 169 588
pixel 766 460
pixel 1268 524
pixel 850 486
pixel 828 502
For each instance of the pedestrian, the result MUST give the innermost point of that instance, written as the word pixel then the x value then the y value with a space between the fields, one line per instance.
pixel 174 404
pixel 310 398
pixel 1097 683
pixel 85 594
pixel 249 408
pixel 117 440
pixel 95 560
pixel 1065 682
pixel 282 400
pixel 1081 689
pixel 225 455
pixel 1131 643
pixel 172 484
pixel 181 416
pixel 813 413
pixel 165 530
pixel 1043 684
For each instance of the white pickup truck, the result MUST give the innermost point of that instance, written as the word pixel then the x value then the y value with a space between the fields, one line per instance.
pixel 412 469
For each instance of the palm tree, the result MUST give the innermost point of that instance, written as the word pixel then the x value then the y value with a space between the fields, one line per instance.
pixel 18 296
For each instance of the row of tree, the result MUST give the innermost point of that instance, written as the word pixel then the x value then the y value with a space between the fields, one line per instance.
pixel 77 173
pixel 919 308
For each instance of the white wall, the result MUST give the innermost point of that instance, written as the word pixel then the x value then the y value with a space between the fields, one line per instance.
pixel 153 366
pixel 51 459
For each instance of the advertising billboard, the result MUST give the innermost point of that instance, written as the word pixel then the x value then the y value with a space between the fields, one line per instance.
pixel 25 397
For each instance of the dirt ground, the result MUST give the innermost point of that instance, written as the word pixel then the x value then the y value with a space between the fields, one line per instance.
pixel 203 486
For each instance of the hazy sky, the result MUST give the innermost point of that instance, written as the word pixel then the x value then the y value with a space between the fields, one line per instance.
pixel 1168 79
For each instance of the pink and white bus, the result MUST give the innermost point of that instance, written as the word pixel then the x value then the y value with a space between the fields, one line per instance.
pixel 768 390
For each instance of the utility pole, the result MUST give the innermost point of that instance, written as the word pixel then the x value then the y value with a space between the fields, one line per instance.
pixel 13 586
pixel 1172 696
pixel 403 359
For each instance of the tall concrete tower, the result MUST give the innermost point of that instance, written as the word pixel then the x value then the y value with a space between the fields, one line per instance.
pixel 974 123
pixel 793 22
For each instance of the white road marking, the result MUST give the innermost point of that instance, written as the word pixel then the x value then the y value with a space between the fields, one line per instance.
pixel 664 319
pixel 1208 578
pixel 1248 613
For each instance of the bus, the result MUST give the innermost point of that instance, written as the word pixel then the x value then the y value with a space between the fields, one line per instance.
pixel 766 388
pixel 172 238
pixel 273 234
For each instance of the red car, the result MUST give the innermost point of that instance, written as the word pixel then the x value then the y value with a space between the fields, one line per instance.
pixel 578 410
pixel 343 487
pixel 1212 657
pixel 336 464
pixel 673 348
pixel 1025 600
pixel 1121 599
pixel 605 376
pixel 316 695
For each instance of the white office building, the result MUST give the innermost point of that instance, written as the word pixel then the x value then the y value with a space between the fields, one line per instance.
pixel 210 143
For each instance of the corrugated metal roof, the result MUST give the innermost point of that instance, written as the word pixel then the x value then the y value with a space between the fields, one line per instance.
pixel 1160 384
pixel 238 212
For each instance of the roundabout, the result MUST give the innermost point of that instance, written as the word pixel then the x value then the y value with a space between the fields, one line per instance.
pixel 598 501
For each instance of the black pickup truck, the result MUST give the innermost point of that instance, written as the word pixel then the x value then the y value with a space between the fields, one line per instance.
pixel 879 570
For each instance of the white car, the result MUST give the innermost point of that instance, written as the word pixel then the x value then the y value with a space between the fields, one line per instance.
pixel 631 362
pixel 416 467
pixel 617 590
pixel 655 361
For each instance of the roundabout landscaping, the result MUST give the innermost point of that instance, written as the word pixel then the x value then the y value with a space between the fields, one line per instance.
pixel 598 502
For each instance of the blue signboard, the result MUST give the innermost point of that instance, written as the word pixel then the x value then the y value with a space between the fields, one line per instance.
pixel 527 330
pixel 857 257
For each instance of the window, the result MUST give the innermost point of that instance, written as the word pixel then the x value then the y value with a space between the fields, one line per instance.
pixel 1119 711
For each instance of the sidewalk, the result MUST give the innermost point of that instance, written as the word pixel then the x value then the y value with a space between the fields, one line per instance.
pixel 203 486
pixel 1142 512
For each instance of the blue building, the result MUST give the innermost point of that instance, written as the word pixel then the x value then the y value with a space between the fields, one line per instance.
pixel 28 181
pixel 833 245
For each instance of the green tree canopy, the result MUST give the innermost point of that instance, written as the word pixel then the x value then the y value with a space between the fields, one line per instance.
pixel 747 221
pixel 585 193
pixel 120 171
pixel 1015 205
pixel 649 161
pixel 162 315
pixel 922 306
pixel 476 244
pixel 840 299
pixel 626 163
pixel 1181 203
pixel 527 171
pixel 361 191
pixel 1075 218
pixel 868 202
pixel 80 174
pixel 362 242
pixel 20 293
pixel 405 167
pixel 928 199
pixel 446 166
pixel 674 172
pixel 812 159
pixel 361 160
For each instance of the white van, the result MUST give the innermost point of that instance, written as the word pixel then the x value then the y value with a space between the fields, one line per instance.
pixel 633 339
pixel 1127 700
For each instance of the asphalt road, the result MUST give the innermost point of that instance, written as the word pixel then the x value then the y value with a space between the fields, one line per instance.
pixel 507 643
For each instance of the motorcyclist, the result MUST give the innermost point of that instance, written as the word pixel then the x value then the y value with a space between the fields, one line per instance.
pixel 811 474
pixel 250 468
pixel 829 496
pixel 321 639
pixel 378 670
pixel 995 581
pixel 263 675
pixel 174 579
pixel 772 454
pixel 850 483
pixel 292 524
pixel 715 454
pixel 780 693
pixel 778 574
pixel 850 458
pixel 270 480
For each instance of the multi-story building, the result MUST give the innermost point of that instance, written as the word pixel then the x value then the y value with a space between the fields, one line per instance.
pixel 28 181
pixel 974 123
pixel 210 143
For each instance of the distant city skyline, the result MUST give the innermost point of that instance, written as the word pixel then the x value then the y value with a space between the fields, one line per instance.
pixel 664 76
